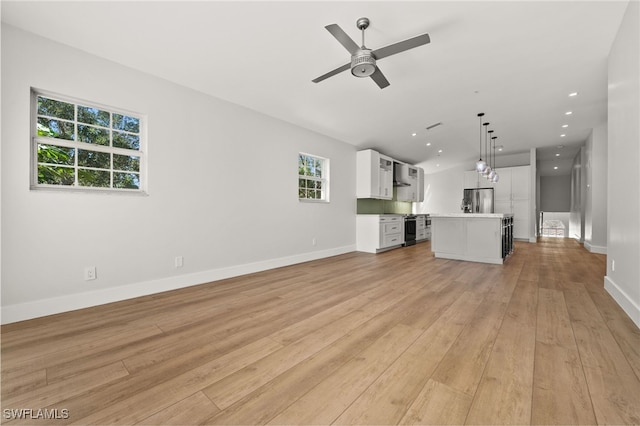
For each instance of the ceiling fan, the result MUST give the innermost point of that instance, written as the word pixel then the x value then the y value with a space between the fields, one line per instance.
pixel 363 60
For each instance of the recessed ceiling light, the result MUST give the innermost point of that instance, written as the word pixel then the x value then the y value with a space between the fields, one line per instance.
pixel 562 135
pixel 413 134
pixel 439 150
pixel 568 113
pixel 572 94
pixel 555 168
pixel 564 126
pixel 428 143
pixel 557 155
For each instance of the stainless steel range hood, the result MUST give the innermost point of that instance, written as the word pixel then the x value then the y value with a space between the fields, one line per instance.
pixel 402 173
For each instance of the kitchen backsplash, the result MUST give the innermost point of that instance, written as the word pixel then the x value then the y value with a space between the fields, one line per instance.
pixel 374 206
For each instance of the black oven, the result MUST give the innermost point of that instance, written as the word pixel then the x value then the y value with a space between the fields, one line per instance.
pixel 410 230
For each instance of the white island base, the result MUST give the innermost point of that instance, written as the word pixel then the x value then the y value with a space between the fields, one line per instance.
pixel 474 237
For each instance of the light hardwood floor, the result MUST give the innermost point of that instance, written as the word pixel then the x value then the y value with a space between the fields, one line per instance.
pixel 394 338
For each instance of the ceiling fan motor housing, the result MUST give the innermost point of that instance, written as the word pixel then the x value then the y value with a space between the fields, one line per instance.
pixel 363 64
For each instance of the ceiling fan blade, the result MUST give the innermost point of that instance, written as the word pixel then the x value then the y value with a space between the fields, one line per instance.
pixel 379 78
pixel 332 73
pixel 343 38
pixel 392 49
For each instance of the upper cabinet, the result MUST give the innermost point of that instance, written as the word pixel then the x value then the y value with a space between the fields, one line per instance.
pixel 374 175
pixel 514 184
pixel 386 177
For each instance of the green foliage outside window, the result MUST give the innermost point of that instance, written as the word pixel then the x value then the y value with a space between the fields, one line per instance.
pixel 311 177
pixel 75 162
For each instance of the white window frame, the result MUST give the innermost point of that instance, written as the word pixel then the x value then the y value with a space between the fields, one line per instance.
pixel 324 178
pixel 76 144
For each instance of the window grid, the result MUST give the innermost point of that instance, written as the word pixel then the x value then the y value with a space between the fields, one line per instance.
pixel 313 182
pixel 102 150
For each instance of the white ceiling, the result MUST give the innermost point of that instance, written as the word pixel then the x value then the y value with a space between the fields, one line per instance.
pixel 516 61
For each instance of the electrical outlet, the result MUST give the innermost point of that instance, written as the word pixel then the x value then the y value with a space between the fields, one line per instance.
pixel 613 265
pixel 90 273
pixel 313 241
pixel 179 262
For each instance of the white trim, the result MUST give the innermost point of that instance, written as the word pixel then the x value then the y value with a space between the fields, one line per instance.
pixel 56 305
pixel 595 249
pixel 626 303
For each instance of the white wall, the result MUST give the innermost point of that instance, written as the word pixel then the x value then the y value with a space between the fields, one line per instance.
pixel 623 204
pixel 442 192
pixel 222 191
pixel 555 193
pixel 595 215
pixel 576 218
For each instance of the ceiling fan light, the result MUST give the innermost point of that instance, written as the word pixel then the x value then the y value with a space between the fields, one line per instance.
pixel 363 64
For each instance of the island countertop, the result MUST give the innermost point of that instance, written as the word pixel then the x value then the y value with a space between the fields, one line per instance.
pixel 488 215
pixel 475 237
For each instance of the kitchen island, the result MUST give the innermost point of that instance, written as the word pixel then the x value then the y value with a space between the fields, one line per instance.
pixel 474 237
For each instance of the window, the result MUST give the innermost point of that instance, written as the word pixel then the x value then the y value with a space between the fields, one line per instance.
pixel 81 145
pixel 313 178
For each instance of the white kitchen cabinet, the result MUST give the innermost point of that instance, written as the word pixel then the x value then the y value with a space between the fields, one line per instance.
pixel 521 183
pixel 422 232
pixel 502 190
pixel 421 227
pixel 374 175
pixel 409 176
pixel 386 178
pixel 521 220
pixel 376 233
pixel 502 206
pixel 512 194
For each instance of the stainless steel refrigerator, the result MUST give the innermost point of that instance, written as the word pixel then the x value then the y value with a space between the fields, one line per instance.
pixel 477 200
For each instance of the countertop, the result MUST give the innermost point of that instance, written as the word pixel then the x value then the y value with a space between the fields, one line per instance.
pixel 487 215
pixel 394 214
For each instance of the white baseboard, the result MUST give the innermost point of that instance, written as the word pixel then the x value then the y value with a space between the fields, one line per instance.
pixel 595 249
pixel 72 302
pixel 629 306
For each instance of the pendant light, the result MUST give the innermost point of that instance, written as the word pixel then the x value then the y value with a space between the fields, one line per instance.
pixel 487 169
pixel 495 177
pixel 480 164
pixel 491 175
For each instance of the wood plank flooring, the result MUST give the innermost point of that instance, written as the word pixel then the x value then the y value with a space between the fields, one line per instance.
pixel 394 338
